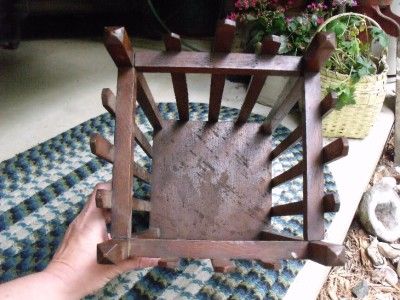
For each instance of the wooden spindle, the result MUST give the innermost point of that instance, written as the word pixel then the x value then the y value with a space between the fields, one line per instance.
pixel 291 139
pixel 140 172
pixel 101 147
pixel 270 46
pixel 275 265
pixel 141 205
pixel 141 139
pixel 335 150
pixel 109 100
pixel 150 233
pixel 282 108
pixel 173 43
pixel 326 254
pixel 331 152
pixel 318 52
pixel 223 40
pixel 104 200
pixel 326 106
pixel 119 46
pixel 330 202
pixel 146 101
pixel 270 234
pixel 170 263
pixel 290 174
pixel 223 265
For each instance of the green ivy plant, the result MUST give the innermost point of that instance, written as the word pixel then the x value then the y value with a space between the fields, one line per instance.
pixel 353 55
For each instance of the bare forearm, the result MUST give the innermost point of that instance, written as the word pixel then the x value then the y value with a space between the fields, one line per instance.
pixel 42 285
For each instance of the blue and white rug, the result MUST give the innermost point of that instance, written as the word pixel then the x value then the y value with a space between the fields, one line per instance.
pixel 45 187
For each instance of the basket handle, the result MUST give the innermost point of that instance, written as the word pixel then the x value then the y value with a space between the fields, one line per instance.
pixel 327 21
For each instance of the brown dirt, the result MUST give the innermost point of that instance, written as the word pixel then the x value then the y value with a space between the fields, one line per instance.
pixel 358 266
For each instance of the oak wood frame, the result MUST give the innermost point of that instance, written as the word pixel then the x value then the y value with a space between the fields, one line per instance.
pixel 132 86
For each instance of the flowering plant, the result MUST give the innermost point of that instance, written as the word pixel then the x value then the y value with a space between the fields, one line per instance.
pixel 266 17
pixel 354 35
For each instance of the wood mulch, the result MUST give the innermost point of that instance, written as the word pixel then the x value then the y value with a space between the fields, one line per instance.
pixel 358 266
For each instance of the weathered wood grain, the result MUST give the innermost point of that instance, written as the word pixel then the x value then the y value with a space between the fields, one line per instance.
pixel 146 101
pixel 223 40
pixel 330 203
pixel 173 44
pixel 216 63
pixel 282 108
pixel 119 46
pixel 269 46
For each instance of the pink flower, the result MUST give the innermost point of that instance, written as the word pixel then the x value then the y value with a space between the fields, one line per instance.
pixel 320 20
pixel 233 16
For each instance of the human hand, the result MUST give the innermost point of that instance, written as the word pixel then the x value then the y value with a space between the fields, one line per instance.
pixel 75 262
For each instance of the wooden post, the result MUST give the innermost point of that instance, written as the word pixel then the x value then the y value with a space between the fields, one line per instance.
pixel 173 43
pixel 222 44
pixel 318 52
pixel 120 49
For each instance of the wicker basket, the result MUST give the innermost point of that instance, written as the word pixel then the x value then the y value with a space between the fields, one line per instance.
pixel 354 120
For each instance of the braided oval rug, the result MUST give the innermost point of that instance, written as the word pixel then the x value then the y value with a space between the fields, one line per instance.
pixel 45 187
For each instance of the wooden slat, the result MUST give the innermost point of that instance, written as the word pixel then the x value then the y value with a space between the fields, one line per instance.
pixel 170 263
pixel 121 214
pixel 150 233
pixel 331 152
pixel 146 101
pixel 282 108
pixel 270 234
pixel 103 198
pixel 101 147
pixel 330 204
pixel 319 51
pixel 119 46
pixel 109 100
pixel 275 265
pixel 270 46
pixel 326 106
pixel 291 139
pixel 173 43
pixel 140 172
pixel 335 150
pixel 290 174
pixel 313 177
pixel 222 43
pixel 268 251
pixel 141 205
pixel 216 63
pixel 327 254
pixel 223 265
pixel 262 250
pixel 141 139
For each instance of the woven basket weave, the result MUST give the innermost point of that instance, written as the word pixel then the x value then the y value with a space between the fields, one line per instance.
pixel 354 120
